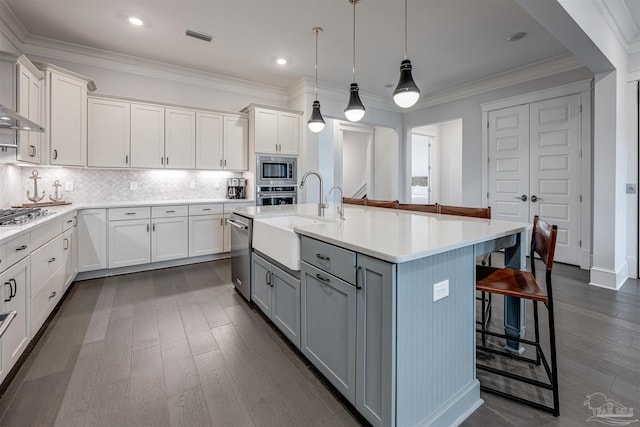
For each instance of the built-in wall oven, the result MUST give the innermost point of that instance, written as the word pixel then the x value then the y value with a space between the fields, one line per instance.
pixel 276 181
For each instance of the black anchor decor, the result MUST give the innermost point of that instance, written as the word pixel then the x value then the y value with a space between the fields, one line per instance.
pixel 34 176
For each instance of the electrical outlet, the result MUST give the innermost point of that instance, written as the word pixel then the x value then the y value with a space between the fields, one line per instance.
pixel 68 186
pixel 133 185
pixel 192 184
pixel 440 290
pixel 631 188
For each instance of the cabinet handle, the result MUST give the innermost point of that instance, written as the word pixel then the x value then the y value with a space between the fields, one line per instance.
pixel 206 209
pixel 14 288
pixel 55 154
pixel 53 294
pixel 220 162
pixel 170 211
pixel 322 278
pixel 65 244
pixel 221 223
pixel 167 161
pixel 154 226
pixel 52 259
pixel 33 150
pixel 147 228
pixel 323 257
pixel 225 162
pixel 130 213
pixel 267 277
pixel 358 273
pixel 162 160
pixel 69 221
pixel 10 291
pixel 21 248
pixel 126 159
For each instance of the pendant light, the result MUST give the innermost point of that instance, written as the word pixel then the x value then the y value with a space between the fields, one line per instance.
pixel 316 122
pixel 407 92
pixel 355 109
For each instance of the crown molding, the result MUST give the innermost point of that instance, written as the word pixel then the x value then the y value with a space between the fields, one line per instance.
pixel 45 48
pixel 11 26
pixel 618 18
pixel 548 67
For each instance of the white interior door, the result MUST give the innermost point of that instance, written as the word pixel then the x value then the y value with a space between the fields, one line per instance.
pixel 555 162
pixel 509 164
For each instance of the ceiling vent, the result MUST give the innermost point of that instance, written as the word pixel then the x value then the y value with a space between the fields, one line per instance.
pixel 198 35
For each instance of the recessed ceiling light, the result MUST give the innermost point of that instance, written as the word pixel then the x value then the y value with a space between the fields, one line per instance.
pixel 134 20
pixel 516 36
pixel 282 61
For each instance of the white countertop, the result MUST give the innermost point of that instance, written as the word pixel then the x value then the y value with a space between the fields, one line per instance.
pixel 392 235
pixel 11 231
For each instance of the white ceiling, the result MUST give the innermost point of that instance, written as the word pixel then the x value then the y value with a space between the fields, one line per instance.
pixel 451 42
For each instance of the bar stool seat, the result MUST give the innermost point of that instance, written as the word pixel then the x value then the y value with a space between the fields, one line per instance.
pixel 510 282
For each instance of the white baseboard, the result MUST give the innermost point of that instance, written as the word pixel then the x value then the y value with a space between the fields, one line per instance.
pixel 632 264
pixel 609 279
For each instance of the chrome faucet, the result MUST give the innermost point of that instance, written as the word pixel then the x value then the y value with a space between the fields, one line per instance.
pixel 340 208
pixel 321 205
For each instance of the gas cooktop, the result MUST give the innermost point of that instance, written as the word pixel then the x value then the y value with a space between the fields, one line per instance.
pixel 20 216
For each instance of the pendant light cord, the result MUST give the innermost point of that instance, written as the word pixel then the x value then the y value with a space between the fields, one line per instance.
pixel 405 29
pixel 354 40
pixel 316 30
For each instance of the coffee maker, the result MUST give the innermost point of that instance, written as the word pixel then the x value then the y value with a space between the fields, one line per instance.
pixel 236 188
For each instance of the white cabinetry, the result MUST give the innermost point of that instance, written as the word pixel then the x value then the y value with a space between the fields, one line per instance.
pixel 147 136
pixel 129 237
pixel 47 281
pixel 30 105
pixel 274 131
pixel 92 239
pixel 222 141
pixel 169 233
pixel 15 287
pixel 180 139
pixel 66 126
pixel 206 229
pixel 109 133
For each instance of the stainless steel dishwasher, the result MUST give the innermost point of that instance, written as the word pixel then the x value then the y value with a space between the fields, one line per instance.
pixel 241 233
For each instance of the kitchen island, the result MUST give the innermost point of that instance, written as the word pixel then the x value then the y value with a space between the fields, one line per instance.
pixel 387 305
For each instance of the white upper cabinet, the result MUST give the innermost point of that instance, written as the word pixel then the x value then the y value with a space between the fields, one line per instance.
pixel 147 136
pixel 31 105
pixel 236 143
pixel 109 138
pixel 209 128
pixel 180 139
pixel 274 131
pixel 66 126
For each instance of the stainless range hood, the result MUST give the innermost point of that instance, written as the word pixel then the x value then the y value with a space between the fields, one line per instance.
pixel 12 120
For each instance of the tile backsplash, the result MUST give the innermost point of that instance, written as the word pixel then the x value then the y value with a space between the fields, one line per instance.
pixel 106 185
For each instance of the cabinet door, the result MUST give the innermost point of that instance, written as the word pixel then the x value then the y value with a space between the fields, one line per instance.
pixel 180 139
pixel 262 283
pixel 109 137
pixel 68 124
pixel 206 235
pixel 68 256
pixel 288 133
pixel 266 130
pixel 209 130
pixel 285 310
pixel 129 242
pixel 236 143
pixel 169 238
pixel 375 326
pixel 227 233
pixel 329 327
pixel 15 287
pixel 29 105
pixel 147 136
pixel 92 239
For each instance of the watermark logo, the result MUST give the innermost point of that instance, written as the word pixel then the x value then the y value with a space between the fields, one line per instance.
pixel 607 411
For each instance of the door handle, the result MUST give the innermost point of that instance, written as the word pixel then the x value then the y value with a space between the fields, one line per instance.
pixel 523 197
pixel 534 198
pixel 55 154
pixel 14 288
pixel 65 244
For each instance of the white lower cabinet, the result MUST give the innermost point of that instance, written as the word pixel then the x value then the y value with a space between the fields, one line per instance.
pixel 47 280
pixel 277 294
pixel 70 255
pixel 129 242
pixel 169 238
pixel 227 232
pixel 15 288
pixel 92 239
pixel 206 234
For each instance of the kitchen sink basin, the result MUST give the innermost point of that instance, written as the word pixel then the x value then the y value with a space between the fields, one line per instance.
pixel 274 237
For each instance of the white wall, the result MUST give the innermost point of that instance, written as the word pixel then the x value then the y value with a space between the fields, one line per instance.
pixel 451 160
pixel 386 159
pixel 632 177
pixel 355 171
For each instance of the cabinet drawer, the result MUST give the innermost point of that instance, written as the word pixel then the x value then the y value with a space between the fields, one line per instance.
pixel 228 207
pixel 169 211
pixel 44 301
pixel 44 262
pixel 332 259
pixel 117 214
pixel 208 209
pixel 3 258
pixel 18 248
pixel 69 220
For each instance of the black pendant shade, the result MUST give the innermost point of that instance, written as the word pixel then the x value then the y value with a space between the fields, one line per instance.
pixel 407 92
pixel 316 122
pixel 355 109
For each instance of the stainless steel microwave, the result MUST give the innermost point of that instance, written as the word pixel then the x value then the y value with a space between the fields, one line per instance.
pixel 276 170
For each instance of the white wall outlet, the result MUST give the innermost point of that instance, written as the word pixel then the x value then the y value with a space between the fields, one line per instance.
pixel 133 185
pixel 440 290
pixel 192 184
pixel 68 186
pixel 631 188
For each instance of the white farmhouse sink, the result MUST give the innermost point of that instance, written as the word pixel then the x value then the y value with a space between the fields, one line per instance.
pixel 274 237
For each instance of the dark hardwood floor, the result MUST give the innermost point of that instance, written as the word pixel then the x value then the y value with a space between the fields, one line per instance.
pixel 179 347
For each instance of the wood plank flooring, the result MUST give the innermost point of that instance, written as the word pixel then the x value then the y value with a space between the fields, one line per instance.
pixel 179 347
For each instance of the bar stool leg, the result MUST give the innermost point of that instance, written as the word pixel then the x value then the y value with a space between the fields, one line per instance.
pixel 554 362
pixel 537 331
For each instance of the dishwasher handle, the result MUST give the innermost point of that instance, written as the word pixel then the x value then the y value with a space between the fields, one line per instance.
pixel 238 224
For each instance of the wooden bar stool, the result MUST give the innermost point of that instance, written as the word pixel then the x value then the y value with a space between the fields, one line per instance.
pixel 381 203
pixel 418 207
pixel 352 201
pixel 523 284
